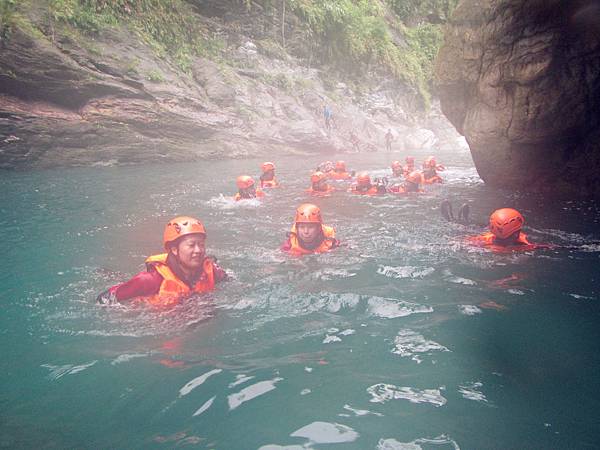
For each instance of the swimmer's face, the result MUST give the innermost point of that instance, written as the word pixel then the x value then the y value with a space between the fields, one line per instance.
pixel 308 232
pixel 190 250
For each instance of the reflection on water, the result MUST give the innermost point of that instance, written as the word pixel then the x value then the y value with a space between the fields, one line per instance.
pixel 404 338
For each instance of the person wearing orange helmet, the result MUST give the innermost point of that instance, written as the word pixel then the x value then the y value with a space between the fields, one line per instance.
pixel 412 183
pixel 169 277
pixel 246 188
pixel 339 172
pixel 308 234
pixel 430 168
pixel 505 232
pixel 397 169
pixel 319 185
pixel 363 185
pixel 267 178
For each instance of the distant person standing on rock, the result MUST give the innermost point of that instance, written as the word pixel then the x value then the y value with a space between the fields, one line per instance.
pixel 328 116
pixel 389 137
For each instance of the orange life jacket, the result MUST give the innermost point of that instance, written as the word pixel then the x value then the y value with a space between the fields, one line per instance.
pixel 237 197
pixel 371 191
pixel 172 289
pixel 339 175
pixel 329 242
pixel 489 240
pixel 269 183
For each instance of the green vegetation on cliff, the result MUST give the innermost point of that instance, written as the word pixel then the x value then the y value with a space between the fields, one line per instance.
pixel 397 38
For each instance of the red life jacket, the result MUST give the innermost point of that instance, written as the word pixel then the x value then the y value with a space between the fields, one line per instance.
pixel 371 191
pixel 172 289
pixel 329 242
pixel 489 240
pixel 339 175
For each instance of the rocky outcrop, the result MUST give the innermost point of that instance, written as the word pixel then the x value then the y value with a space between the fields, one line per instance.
pixel 69 100
pixel 520 79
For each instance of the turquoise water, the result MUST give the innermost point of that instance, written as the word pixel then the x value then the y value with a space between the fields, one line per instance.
pixel 407 338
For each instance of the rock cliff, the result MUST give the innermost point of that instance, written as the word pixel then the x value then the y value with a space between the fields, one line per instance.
pixel 520 79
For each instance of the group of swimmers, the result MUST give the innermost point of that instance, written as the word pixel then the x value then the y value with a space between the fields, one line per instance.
pixel 186 269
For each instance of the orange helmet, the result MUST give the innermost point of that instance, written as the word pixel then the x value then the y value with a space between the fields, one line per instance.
pixel 505 221
pixel 363 179
pixel 340 166
pixel 396 165
pixel 414 177
pixel 410 160
pixel 317 176
pixel 181 226
pixel 266 166
pixel 244 181
pixel 308 213
pixel 429 162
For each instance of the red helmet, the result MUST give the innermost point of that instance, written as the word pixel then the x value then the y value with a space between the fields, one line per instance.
pixel 308 213
pixel 317 176
pixel 363 179
pixel 244 181
pixel 266 166
pixel 181 226
pixel 505 221
pixel 430 162
pixel 396 165
pixel 410 160
pixel 414 177
pixel 340 166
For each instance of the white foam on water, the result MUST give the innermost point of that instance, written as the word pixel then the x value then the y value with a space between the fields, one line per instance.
pixel 127 357
pixel 326 433
pixel 57 372
pixel 332 330
pixel 408 342
pixel 391 308
pixel 362 412
pixel 283 447
pixel 204 407
pixel 333 274
pixel 404 271
pixel 191 385
pixel 471 391
pixel 347 332
pixel 382 393
pixel 590 248
pixel 305 391
pixel 251 392
pixel 240 379
pixel 469 310
pixel 460 280
pixel 329 339
pixel 516 292
pixel 308 369
pixel 223 202
pixel 393 444
pixel 581 297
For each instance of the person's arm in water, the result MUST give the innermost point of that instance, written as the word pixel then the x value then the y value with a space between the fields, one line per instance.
pixel 144 284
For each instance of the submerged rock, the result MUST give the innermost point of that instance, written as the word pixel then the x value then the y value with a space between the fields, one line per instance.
pixel 520 80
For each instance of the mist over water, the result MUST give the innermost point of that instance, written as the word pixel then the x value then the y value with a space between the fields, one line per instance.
pixel 405 338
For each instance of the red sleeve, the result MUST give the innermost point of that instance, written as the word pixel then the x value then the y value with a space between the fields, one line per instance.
pixel 143 284
pixel 286 246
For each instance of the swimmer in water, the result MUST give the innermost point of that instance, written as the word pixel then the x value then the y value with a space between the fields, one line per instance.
pixel 364 186
pixel 319 185
pixel 267 178
pixel 247 189
pixel 169 277
pixel 410 185
pixel 430 168
pixel 397 169
pixel 308 234
pixel 340 172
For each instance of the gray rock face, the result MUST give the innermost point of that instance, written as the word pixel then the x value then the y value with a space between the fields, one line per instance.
pixel 520 79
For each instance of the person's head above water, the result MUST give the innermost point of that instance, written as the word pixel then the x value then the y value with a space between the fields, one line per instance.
pixel 184 238
pixel 413 180
pixel 410 160
pixel 506 223
pixel 430 162
pixel 309 224
pixel 319 181
pixel 340 166
pixel 363 181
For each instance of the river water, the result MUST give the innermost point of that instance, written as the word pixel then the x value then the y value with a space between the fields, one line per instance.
pixel 406 338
